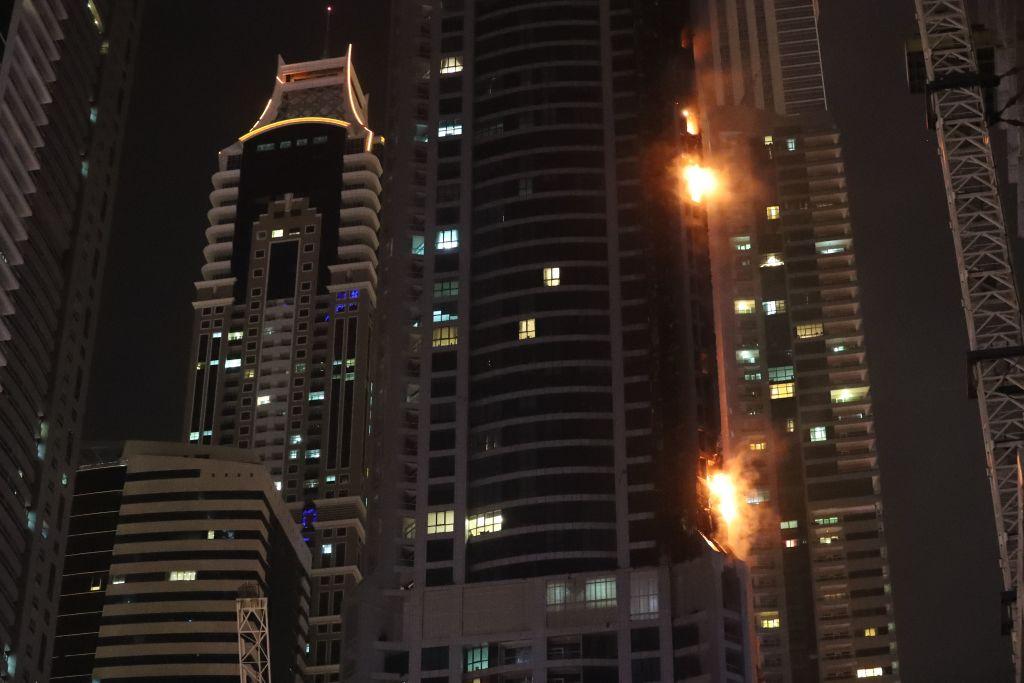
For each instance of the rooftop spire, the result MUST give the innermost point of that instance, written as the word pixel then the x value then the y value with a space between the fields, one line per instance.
pixel 327 31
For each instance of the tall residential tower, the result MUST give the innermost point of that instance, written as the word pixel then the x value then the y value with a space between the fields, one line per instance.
pixel 796 396
pixel 284 318
pixel 548 397
pixel 65 79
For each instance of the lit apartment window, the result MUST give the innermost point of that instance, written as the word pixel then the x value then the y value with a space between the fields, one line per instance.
pixel 828 540
pixel 769 620
pixel 527 329
pixel 441 316
pixel 295 438
pixel 313 454
pixel 263 400
pixel 85 167
pixel 757 497
pixel 870 632
pixel 477 658
pixel 791 144
pixel 769 140
pixel 558 595
pixel 552 276
pixel 316 396
pixel 790 425
pixel 311 483
pixel 486 523
pixel 276 233
pixel 873 672
pixel 235 335
pixel 743 306
pixel 96 584
pixel 441 522
pixel 781 390
pixel 233 363
pixel 277 485
pixel 741 243
pixel 451 64
pixel 418 245
pixel 188 575
pixel 643 595
pixel 773 212
pixel 748 356
pixel 809 330
pixel 819 433
pixel 446 288
pixel 600 592
pixel 117 580
pixel 758 446
pixel 772 261
pixel 792 543
pixel 751 376
pixel 331 478
pixel 774 307
pixel 193 436
pixel 826 521
pixel 449 128
pixel 789 524
pixel 447 239
pixel 851 395
pixel 447 335
pixel 781 373
pixel 327 549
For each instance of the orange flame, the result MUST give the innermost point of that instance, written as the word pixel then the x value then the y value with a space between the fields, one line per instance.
pixel 700 181
pixel 723 497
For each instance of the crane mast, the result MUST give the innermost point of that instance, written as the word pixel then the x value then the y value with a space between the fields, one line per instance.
pixel 253 635
pixel 990 299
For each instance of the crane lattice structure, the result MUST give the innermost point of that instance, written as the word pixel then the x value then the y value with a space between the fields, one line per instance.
pixel 990 299
pixel 253 636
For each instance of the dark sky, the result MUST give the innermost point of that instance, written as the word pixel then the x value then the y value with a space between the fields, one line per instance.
pixel 205 72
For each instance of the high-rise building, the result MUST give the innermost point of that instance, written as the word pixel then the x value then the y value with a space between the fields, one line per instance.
pixel 548 397
pixel 163 539
pixel 284 318
pixel 65 78
pixel 796 395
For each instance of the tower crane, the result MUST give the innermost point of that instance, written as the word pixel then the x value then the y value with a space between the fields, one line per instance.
pixel 990 299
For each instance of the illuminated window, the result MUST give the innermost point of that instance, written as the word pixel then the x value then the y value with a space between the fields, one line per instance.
pixel 791 144
pixel 250 374
pixel 193 436
pixel 769 141
pixel 448 335
pixel 741 243
pixel 870 632
pixel 233 363
pixel 235 335
pixel 774 307
pixel 782 390
pixel 751 376
pixel 743 306
pixel 310 483
pixel 441 316
pixel 96 584
pixel 757 497
pixel 809 330
pixel 85 167
pixel 826 521
pixel 441 522
pixel 327 549
pixel 477 658
pixel 313 454
pixel 643 595
pixel 446 288
pixel 451 65
pixel 552 276
pixel 790 425
pixel 772 212
pixel 293 454
pixel 447 239
pixel 600 593
pixel 449 128
pixel 263 400
pixel 830 247
pixel 277 485
pixel 558 595
pixel 819 433
pixel 748 356
pixel 316 396
pixel 772 261
pixel 527 329
pixel 838 348
pixel 117 580
pixel 96 20
pixel 873 672
pixel 769 620
pixel 789 524
pixel 758 446
pixel 276 233
pixel 295 438
pixel 189 575
pixel 418 245
pixel 828 540
pixel 851 395
pixel 781 373
pixel 485 523
pixel 792 543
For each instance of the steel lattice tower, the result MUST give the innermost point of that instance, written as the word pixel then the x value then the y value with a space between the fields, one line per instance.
pixel 253 636
pixel 990 298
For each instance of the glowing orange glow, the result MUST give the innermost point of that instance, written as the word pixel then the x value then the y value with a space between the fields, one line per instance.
pixel 692 125
pixel 700 181
pixel 723 496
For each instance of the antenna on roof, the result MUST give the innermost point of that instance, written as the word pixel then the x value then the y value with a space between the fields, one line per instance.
pixel 327 31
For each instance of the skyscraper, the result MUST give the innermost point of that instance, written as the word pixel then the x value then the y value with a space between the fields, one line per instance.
pixel 163 539
pixel 64 84
pixel 536 500
pixel 796 394
pixel 283 317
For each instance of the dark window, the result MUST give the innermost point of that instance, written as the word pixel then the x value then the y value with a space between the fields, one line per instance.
pixel 283 264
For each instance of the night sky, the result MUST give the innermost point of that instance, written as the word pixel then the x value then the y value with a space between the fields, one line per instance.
pixel 205 71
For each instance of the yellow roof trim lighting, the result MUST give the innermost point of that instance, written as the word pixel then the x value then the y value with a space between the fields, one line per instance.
pixel 291 122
